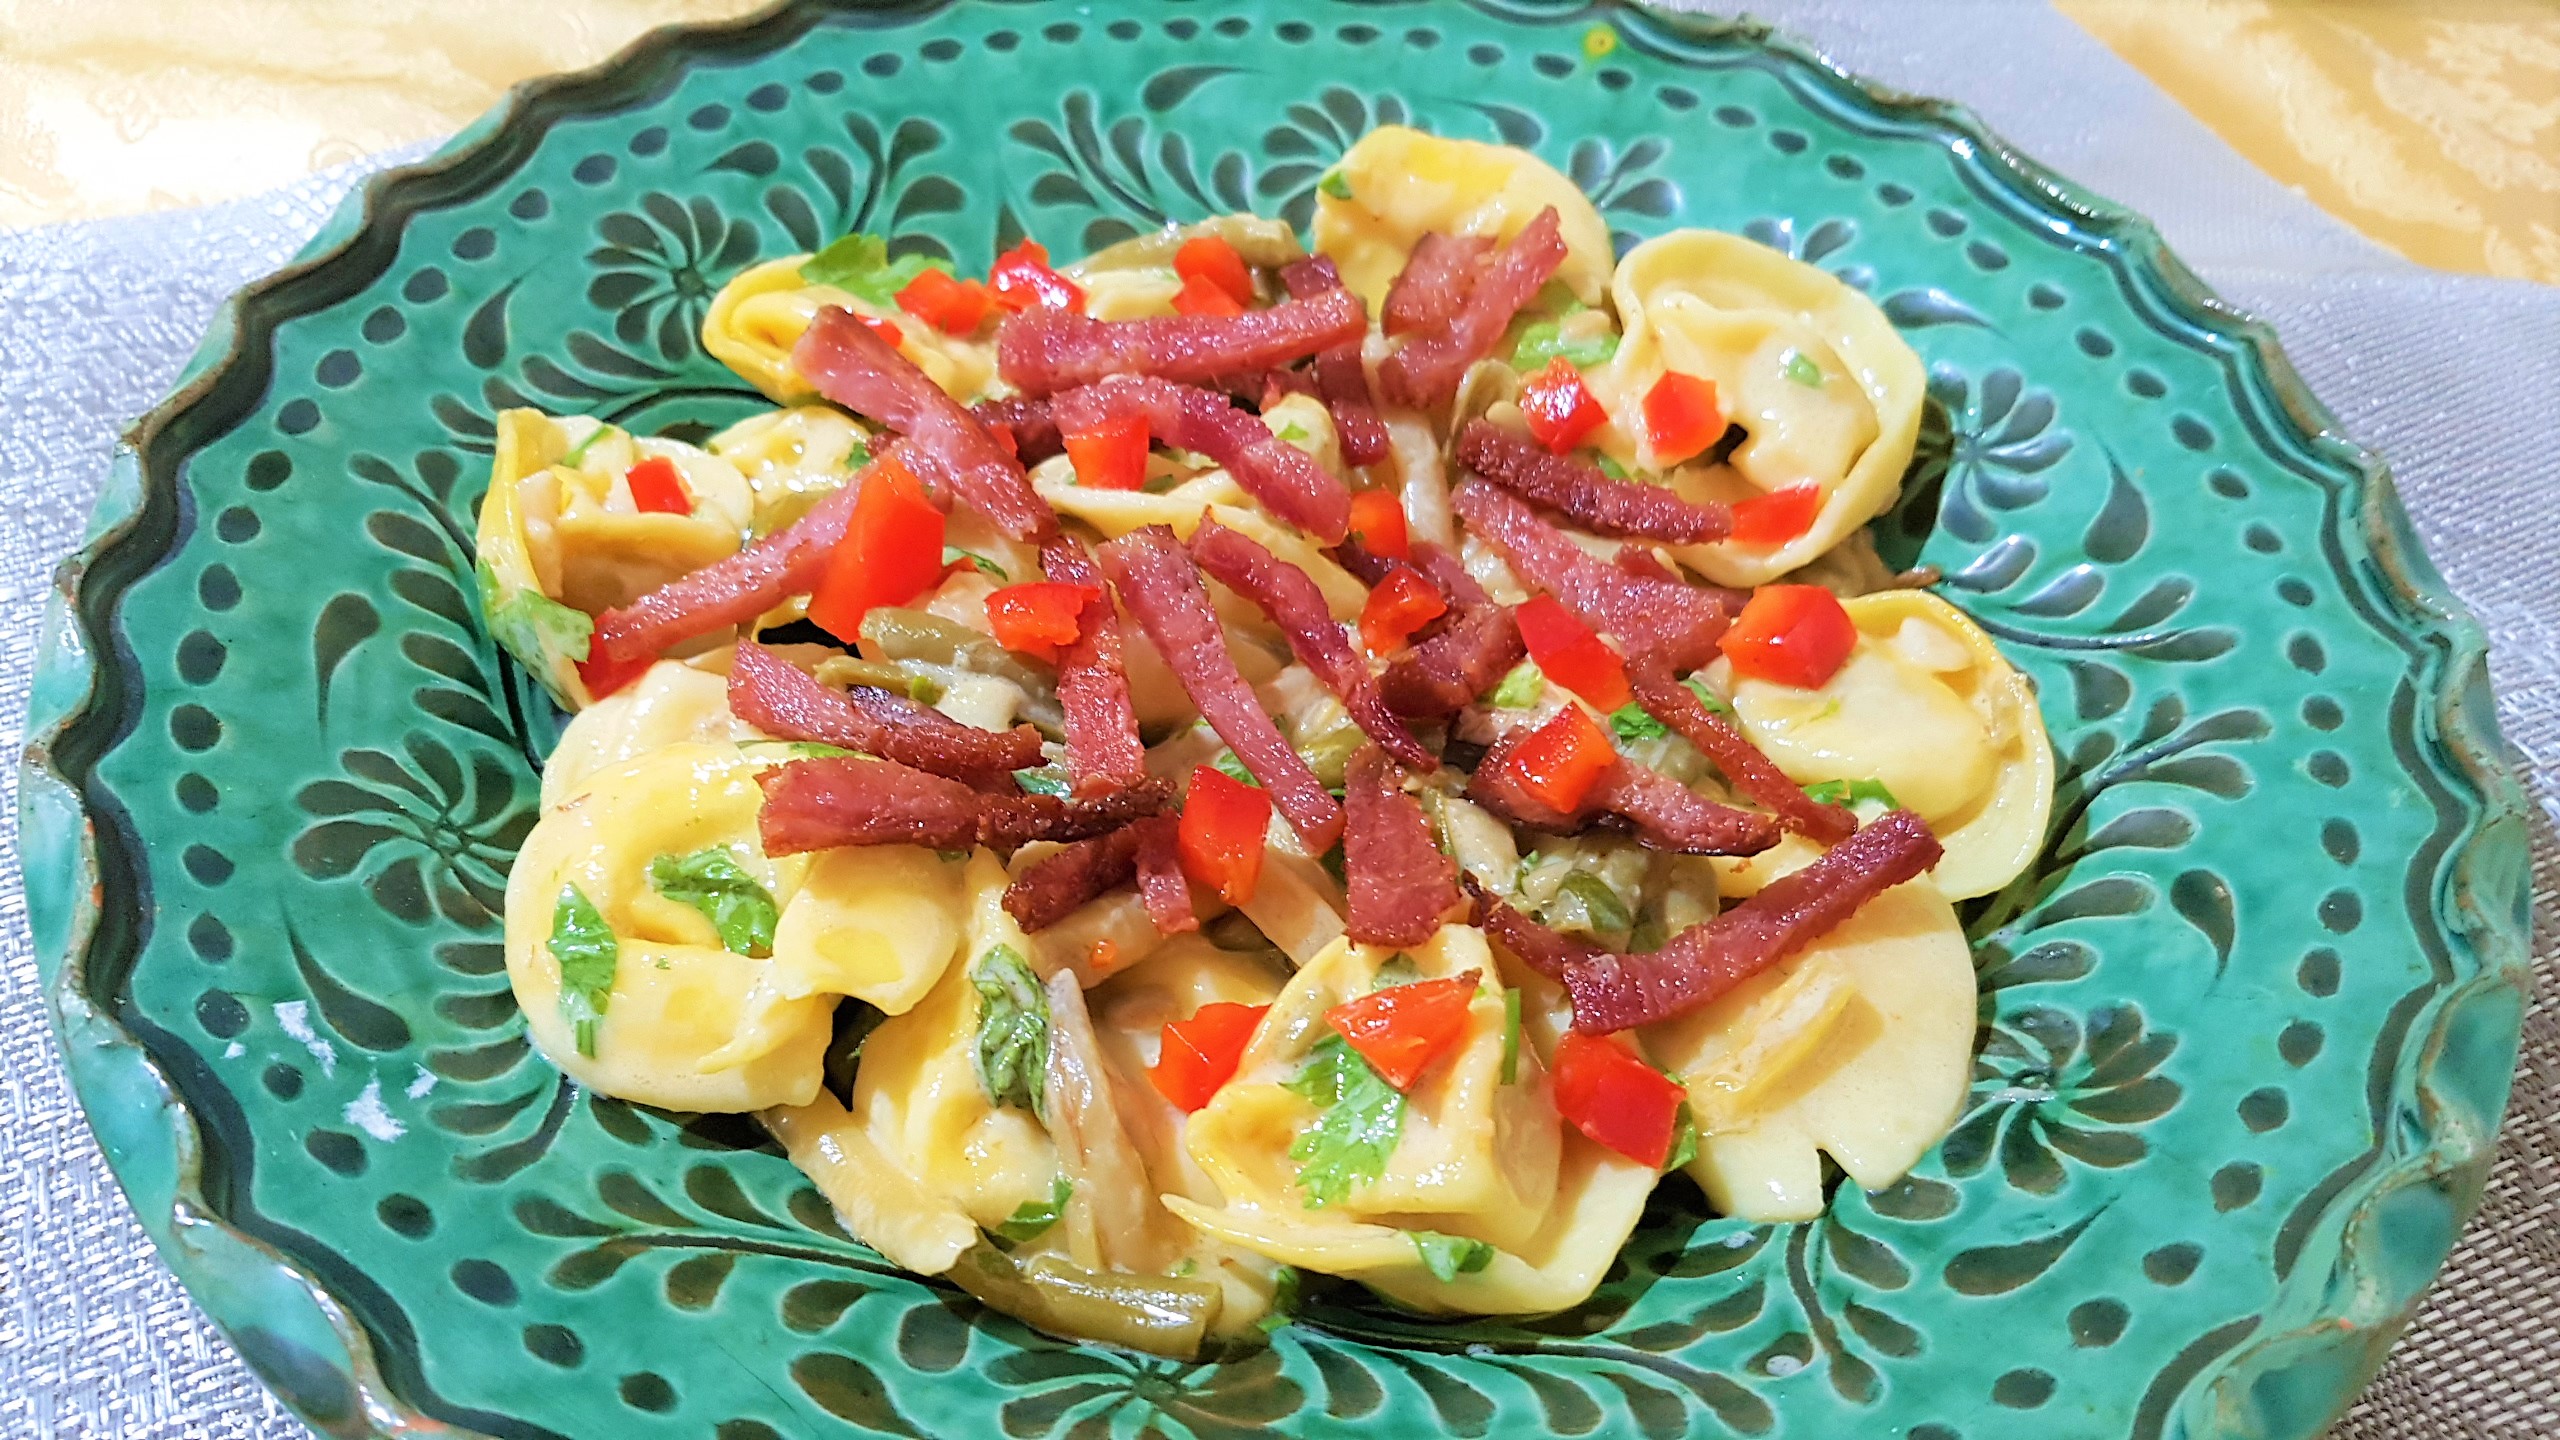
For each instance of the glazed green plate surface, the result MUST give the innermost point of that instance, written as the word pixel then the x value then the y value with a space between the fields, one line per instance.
pixel 2247 1027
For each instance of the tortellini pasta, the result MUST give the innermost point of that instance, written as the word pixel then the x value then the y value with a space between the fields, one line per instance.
pixel 792 458
pixel 1824 388
pixel 561 539
pixel 757 319
pixel 1926 705
pixel 671 703
pixel 1135 278
pixel 1397 184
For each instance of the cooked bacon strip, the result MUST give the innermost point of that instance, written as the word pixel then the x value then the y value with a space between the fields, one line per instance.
pixel 1044 349
pixel 1161 886
pixel 1006 823
pixel 1401 884
pixel 1444 674
pixel 1283 592
pixel 1583 493
pixel 1613 992
pixel 1035 434
pixel 775 697
pixel 1093 681
pixel 1341 380
pixel 731 592
pixel 1732 752
pixel 1436 279
pixel 1366 566
pixel 1541 949
pixel 1288 482
pixel 1059 884
pixel 1663 813
pixel 1162 590
pixel 1665 619
pixel 950 448
pixel 852 800
pixel 1424 372
pixel 1444 569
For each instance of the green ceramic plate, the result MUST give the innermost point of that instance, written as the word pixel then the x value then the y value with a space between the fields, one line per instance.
pixel 2247 1028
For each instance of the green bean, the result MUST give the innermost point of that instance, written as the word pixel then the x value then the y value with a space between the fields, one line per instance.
pixel 1144 1312
pixel 928 639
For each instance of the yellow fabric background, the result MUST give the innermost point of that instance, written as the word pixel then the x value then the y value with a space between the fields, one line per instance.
pixel 2431 125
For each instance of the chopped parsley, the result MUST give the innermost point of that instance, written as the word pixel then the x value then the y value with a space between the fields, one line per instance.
pixel 1030 1218
pixel 860 266
pixel 1285 1283
pixel 858 456
pixel 1335 185
pixel 1544 341
pixel 1601 908
pixel 1449 1256
pixel 1042 780
pixel 1632 723
pixel 1359 1118
pixel 578 452
pixel 1229 765
pixel 1852 792
pixel 1802 370
pixel 1291 431
pixel 1510 1037
pixel 588 955
pixel 984 566
pixel 1398 969
pixel 712 882
pixel 1522 688
pixel 1013 1031
pixel 1709 697
pixel 1609 467
pixel 1684 1139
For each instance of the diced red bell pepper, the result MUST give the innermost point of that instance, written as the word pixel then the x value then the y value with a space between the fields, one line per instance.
pixel 1561 410
pixel 1400 1030
pixel 1377 522
pixel 1003 434
pixel 1771 520
pixel 1681 417
pixel 1568 653
pixel 947 303
pixel 1791 635
pixel 891 551
pixel 1403 603
pixel 1111 455
pixel 1022 279
pixel 1617 1100
pixel 1207 257
pixel 1201 295
pixel 887 330
pixel 1039 618
pixel 603 675
pixel 1562 759
pixel 1222 834
pixel 657 488
pixel 1199 1055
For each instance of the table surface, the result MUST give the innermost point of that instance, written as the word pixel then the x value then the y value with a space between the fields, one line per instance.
pixel 2430 126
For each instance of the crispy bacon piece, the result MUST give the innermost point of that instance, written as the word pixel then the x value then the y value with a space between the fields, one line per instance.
pixel 1161 588
pixel 1401 884
pixel 1161 886
pixel 729 593
pixel 1583 493
pixel 1093 681
pixel 1342 382
pixel 1663 813
pixel 1732 752
pixel 855 800
pixel 1366 566
pixel 949 448
pixel 1444 674
pixel 1666 619
pixel 1283 592
pixel 1288 482
pixel 1444 569
pixel 1436 278
pixel 1613 992
pixel 776 698
pixel 1424 372
pixel 1044 349
pixel 852 800
pixel 1035 434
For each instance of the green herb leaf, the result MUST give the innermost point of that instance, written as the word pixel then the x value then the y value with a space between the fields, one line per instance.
pixel 1042 780
pixel 1190 1265
pixel 1291 431
pixel 1709 697
pixel 1544 341
pixel 1031 1217
pixel 1285 1285
pixel 1334 185
pixel 588 955
pixel 1600 904
pixel 1802 370
pixel 1510 1037
pixel 857 457
pixel 1449 1256
pixel 1228 765
pixel 1632 723
pixel 1360 1117
pixel 1852 792
pixel 985 566
pixel 859 265
pixel 1013 1031
pixel 578 451
pixel 1609 467
pixel 1684 1139
pixel 712 882
pixel 1528 863
pixel 1522 688
pixel 532 626
pixel 1397 969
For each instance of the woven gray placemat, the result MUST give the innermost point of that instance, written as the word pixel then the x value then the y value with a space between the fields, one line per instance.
pixel 2455 379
